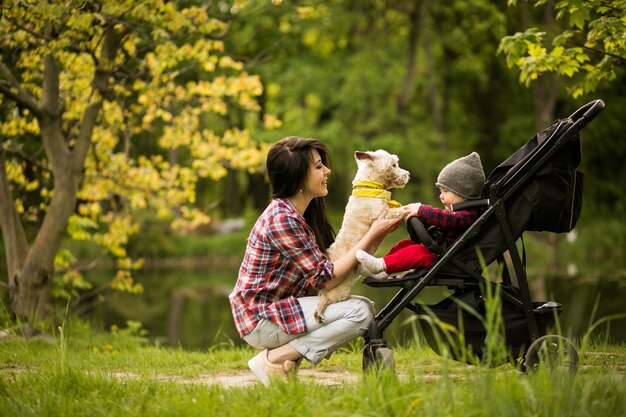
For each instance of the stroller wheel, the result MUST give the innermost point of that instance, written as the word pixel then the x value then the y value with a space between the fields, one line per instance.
pixel 377 356
pixel 384 359
pixel 554 351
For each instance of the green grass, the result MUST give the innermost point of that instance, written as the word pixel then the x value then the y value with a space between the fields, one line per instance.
pixel 83 372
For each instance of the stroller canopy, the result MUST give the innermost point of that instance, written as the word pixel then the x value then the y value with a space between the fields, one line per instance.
pixel 538 187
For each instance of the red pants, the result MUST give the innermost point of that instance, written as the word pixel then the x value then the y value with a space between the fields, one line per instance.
pixel 407 254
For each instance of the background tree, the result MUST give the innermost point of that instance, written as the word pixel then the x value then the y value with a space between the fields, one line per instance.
pixel 178 124
pixel 581 45
pixel 110 109
pixel 417 78
pixel 590 49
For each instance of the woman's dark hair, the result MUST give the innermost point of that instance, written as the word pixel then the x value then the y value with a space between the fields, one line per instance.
pixel 288 162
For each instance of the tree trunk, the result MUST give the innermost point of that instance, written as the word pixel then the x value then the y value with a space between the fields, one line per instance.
pixel 232 194
pixel 30 287
pixel 258 190
pixel 545 93
pixel 15 243
pixel 406 94
pixel 31 269
pixel 435 95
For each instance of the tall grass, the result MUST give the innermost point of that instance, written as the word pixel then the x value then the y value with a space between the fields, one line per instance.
pixel 81 372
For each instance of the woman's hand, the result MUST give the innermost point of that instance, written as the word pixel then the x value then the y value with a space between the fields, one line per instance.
pixel 382 226
pixel 379 229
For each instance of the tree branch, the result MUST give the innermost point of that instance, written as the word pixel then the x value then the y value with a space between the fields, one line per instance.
pixel 99 85
pixel 621 58
pixel 21 154
pixel 12 89
pixel 16 245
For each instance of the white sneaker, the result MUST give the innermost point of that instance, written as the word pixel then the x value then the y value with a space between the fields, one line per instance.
pixel 264 370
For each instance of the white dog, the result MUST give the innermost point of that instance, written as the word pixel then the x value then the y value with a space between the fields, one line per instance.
pixel 377 173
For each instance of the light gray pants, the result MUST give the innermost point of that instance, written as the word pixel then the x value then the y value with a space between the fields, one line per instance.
pixel 345 321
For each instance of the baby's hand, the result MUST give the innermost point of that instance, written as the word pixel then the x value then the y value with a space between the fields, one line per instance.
pixel 411 210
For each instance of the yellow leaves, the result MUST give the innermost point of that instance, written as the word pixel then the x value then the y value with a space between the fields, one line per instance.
pixel 124 282
pixel 228 62
pixel 80 22
pixel 19 206
pixel 536 50
pixel 128 263
pixel 271 122
pixel 177 103
pixel 68 284
pixel 91 210
pixel 582 57
pixel 306 12
pixel 75 81
pixel 557 52
pixel 190 220
pixel 577 91
pixel 70 281
pixel 81 228
pixel 180 131
pixel 121 227
pixel 15 172
pixel 235 148
pixel 17 125
pixel 130 45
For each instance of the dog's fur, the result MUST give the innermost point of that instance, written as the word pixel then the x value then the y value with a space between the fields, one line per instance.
pixel 360 213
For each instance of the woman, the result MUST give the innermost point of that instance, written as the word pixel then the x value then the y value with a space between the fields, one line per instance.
pixel 285 262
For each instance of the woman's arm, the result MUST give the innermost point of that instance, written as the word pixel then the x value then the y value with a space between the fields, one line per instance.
pixel 372 239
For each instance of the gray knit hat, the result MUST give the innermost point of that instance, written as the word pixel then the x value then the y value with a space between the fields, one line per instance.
pixel 463 176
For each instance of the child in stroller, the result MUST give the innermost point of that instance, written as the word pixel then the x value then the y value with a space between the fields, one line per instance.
pixel 461 180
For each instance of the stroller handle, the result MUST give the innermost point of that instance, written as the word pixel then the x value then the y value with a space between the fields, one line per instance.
pixel 588 111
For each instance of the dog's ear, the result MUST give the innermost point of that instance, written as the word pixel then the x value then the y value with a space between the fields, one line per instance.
pixel 359 155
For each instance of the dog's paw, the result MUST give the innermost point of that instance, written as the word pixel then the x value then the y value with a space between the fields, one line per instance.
pixel 319 317
pixel 394 213
pixel 361 271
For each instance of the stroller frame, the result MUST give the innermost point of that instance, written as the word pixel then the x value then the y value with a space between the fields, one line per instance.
pixel 448 271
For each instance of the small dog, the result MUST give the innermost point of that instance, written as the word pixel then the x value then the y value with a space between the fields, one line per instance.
pixel 377 173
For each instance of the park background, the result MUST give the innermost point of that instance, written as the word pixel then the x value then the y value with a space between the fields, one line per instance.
pixel 172 178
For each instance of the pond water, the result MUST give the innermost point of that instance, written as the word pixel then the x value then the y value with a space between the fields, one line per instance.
pixel 189 307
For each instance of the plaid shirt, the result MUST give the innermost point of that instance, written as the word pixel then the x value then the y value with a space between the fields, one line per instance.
pixel 452 223
pixel 282 262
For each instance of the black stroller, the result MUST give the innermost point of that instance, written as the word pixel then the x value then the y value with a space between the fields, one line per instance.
pixel 538 188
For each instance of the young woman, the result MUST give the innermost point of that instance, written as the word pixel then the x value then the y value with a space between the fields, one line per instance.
pixel 285 262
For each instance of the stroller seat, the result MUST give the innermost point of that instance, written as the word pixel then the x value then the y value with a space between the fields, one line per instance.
pixel 449 274
pixel 408 279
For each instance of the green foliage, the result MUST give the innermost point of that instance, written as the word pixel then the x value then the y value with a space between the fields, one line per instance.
pixel 590 51
pixel 197 94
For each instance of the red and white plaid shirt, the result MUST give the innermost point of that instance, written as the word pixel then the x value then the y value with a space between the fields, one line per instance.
pixel 282 262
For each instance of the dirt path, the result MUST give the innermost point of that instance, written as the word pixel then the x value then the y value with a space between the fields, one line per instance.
pixel 247 378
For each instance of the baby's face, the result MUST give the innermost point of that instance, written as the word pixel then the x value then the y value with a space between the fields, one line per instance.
pixel 448 198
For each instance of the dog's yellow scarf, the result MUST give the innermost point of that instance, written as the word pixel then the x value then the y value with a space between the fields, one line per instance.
pixel 375 190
